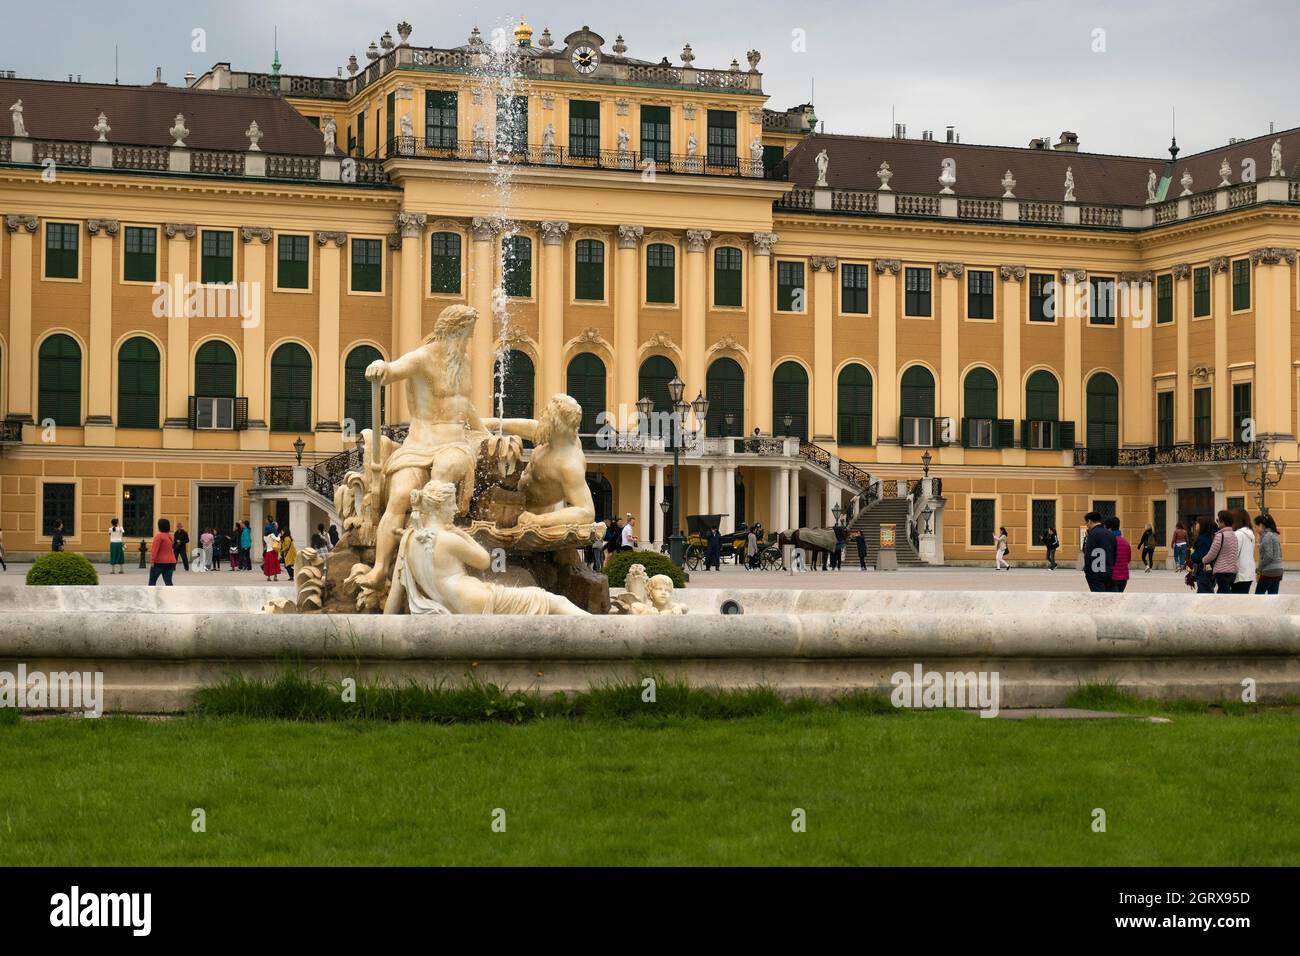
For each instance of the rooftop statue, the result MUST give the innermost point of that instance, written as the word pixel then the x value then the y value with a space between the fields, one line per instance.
pixel 823 161
pixel 1275 159
pixel 16 111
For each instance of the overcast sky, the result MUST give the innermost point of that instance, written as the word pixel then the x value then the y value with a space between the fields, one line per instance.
pixel 999 71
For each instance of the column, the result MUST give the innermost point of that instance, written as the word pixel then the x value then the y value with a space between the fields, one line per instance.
pixel 1072 400
pixel 694 311
pixel 1273 388
pixel 783 502
pixel 794 497
pixel 643 523
pixel 950 276
pixel 1137 322
pixel 1221 290
pixel 99 405
pixel 253 368
pixel 1182 332
pixel 176 425
pixel 21 229
pixel 627 302
pixel 830 496
pixel 329 406
pixel 823 300
pixel 887 447
pixel 703 502
pixel 729 496
pixel 410 319
pixel 658 521
pixel 482 279
pixel 760 332
pixel 256 521
pixel 550 317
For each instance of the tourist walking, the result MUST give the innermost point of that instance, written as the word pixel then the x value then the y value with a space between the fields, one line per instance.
pixel 1270 555
pixel 1221 559
pixel 1051 542
pixel 116 548
pixel 751 549
pixel 288 552
pixel 271 554
pixel 713 559
pixel 862 549
pixel 181 542
pixel 162 554
pixel 205 542
pixel 245 547
pixel 1000 551
pixel 1147 547
pixel 1179 543
pixel 1245 551
pixel 1201 576
pixel 629 534
pixel 1098 554
pixel 56 539
pixel 1123 555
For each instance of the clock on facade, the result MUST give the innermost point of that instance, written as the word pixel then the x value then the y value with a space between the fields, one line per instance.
pixel 585 59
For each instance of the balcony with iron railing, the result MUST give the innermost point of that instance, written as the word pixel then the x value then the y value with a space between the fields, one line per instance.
pixel 1209 453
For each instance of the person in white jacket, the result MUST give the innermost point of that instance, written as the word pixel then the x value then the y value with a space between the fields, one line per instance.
pixel 1245 551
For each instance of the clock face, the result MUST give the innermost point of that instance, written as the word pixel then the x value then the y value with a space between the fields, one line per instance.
pixel 585 59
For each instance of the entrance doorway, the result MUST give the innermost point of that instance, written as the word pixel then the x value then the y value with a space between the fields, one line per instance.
pixel 216 507
pixel 1194 503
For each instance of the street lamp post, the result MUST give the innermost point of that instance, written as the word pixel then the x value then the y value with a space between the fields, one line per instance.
pixel 1263 482
pixel 837 510
pixel 925 464
pixel 298 446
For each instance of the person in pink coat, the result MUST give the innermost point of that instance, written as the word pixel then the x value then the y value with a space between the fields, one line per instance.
pixel 1123 554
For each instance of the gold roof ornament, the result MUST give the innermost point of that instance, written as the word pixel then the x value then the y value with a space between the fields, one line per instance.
pixel 523 33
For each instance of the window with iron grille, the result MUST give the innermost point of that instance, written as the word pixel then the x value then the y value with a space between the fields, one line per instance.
pixel 218 256
pixel 1042 306
pixel 1042 516
pixel 1104 508
pixel 292 255
pixel 137 511
pixel 789 287
pixel 1241 414
pixel 61 259
pixel 656 133
pixel 367 265
pixel 1240 285
pixel 291 389
pixel 1236 502
pixel 59 503
pixel 1201 291
pixel 660 273
pixel 979 294
pixel 1164 299
pixel 138 378
pixel 444 263
pixel 1201 433
pixel 512 124
pixel 139 254
pixel 517 266
pixel 722 138
pixel 1101 301
pixel 916 299
pixel 727 274
pixel 853 289
pixel 1165 419
pixel 983 515
pixel 584 128
pixel 440 118
pixel 589 270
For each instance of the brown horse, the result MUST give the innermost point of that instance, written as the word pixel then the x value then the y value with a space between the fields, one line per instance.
pixel 815 541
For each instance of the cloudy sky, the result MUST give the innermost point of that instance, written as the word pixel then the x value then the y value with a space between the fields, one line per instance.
pixel 1000 71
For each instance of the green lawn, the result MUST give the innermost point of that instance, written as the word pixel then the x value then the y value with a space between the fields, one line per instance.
pixel 916 788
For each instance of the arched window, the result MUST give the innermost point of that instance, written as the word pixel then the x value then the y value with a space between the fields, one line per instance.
pixel 357 406
pixel 444 263
pixel 854 405
pixel 517 266
pixel 60 381
pixel 519 375
pixel 138 373
pixel 725 390
pixel 656 373
pixel 291 389
pixel 1042 396
pixel 790 397
pixel 979 424
pixel 660 273
pixel 916 406
pixel 586 385
pixel 728 270
pixel 1103 414
pixel 589 270
pixel 214 370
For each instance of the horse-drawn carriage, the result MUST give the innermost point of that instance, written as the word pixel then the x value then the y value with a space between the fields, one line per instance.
pixel 697 540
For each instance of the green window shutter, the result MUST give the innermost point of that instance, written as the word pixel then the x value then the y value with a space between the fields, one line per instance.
pixel 1004 433
pixel 660 273
pixel 965 433
pixel 1103 412
pixel 854 399
pixel 727 276
pixel 1164 299
pixel 589 266
pixel 440 119
pixel 520 378
pixel 1201 291
pixel 584 128
pixel 139 254
pixel 1025 436
pixel 61 250
pixel 586 384
pixel 217 256
pixel 790 290
pixel 139 375
pixel 725 389
pixel 356 387
pixel 656 133
pixel 444 263
pixel 1065 436
pixel 790 397
pixel 981 394
pixel 1240 284
pixel 291 388
pixel 517 266
pixel 214 370
pixel 367 265
pixel 917 393
pixel 292 262
pixel 59 381
pixel 652 382
pixel 853 289
pixel 721 133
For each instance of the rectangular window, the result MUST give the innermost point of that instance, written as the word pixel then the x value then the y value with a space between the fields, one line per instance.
pixel 1043 515
pixel 1101 301
pixel 440 119
pixel 1164 299
pixel 1104 508
pixel 1201 416
pixel 979 433
pixel 722 138
pixel 444 263
pixel 979 294
pixel 916 300
pixel 217 256
pixel 853 289
pixel 589 266
pixel 790 295
pixel 1159 520
pixel 584 128
pixel 1236 502
pixel 1201 291
pixel 727 272
pixel 917 432
pixel 390 111
pixel 1042 306
pixel 983 515
pixel 1165 419
pixel 517 266
pixel 59 504
pixel 361 133
pixel 139 254
pixel 1042 434
pixel 1240 285
pixel 214 414
pixel 61 259
pixel 137 511
pixel 773 156
pixel 367 265
pixel 1241 414
pixel 512 124
pixel 292 262
pixel 660 273
pixel 656 133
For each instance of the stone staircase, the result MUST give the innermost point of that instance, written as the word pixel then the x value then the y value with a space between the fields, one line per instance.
pixel 884 511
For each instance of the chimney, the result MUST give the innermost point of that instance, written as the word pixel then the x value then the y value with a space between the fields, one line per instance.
pixel 189 78
pixel 157 76
pixel 1069 142
pixel 950 135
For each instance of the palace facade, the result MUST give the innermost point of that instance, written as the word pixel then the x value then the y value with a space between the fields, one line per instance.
pixel 193 279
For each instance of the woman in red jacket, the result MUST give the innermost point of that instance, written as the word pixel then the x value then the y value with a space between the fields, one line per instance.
pixel 1123 554
pixel 162 554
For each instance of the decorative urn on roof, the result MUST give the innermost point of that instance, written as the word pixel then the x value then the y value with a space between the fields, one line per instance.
pixel 404 32
pixel 178 131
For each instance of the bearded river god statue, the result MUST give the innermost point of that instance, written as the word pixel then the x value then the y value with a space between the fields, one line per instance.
pixel 444 521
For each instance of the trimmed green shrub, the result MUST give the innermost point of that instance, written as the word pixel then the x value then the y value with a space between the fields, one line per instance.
pixel 655 563
pixel 62 567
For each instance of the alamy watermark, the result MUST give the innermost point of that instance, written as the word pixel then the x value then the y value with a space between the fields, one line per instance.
pixel 960 690
pixel 208 300
pixel 58 690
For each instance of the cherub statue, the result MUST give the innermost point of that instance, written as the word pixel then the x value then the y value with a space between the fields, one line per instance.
pixel 634 592
pixel 660 593
pixel 554 483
